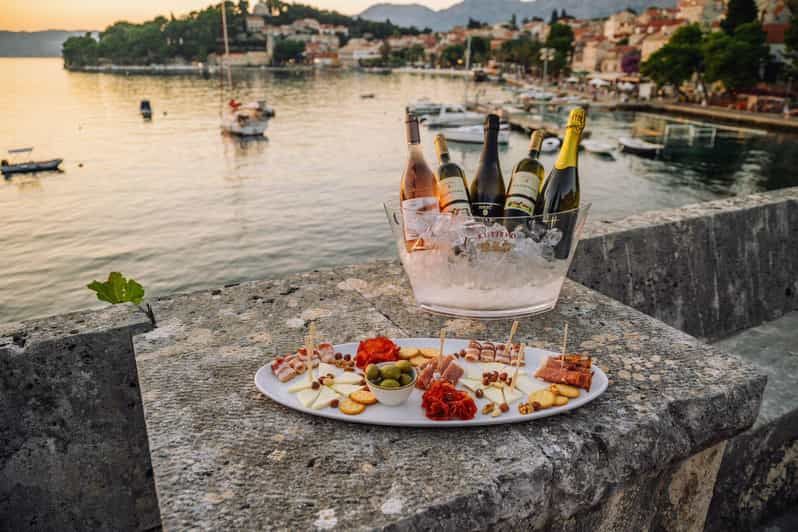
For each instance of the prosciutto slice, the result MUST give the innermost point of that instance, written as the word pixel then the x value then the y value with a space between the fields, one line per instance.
pixel 573 370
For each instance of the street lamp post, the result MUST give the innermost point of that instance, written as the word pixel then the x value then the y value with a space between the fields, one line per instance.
pixel 546 55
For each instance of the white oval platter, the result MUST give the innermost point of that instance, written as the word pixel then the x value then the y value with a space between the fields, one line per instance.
pixel 410 414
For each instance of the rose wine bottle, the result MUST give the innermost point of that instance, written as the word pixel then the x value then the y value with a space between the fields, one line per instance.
pixel 419 190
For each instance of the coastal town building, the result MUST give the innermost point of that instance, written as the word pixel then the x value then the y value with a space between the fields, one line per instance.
pixel 620 25
pixel 707 13
pixel 357 50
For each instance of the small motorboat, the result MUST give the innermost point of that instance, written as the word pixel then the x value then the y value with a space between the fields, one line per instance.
pixel 8 168
pixel 455 116
pixel 598 147
pixel 475 134
pixel 424 106
pixel 145 109
pixel 550 144
pixel 246 120
pixel 367 96
pixel 640 147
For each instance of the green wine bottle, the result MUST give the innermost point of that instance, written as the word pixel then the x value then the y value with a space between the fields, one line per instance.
pixel 525 182
pixel 452 187
pixel 487 190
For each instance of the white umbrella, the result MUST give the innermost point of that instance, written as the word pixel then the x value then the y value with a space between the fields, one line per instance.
pixel 572 79
pixel 626 86
pixel 598 82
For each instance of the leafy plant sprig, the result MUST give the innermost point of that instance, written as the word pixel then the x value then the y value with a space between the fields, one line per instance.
pixel 117 289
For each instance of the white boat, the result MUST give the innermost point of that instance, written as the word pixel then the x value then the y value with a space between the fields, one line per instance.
pixel 424 106
pixel 246 120
pixel 455 116
pixel 640 147
pixel 550 144
pixel 598 147
pixel 475 134
pixel 242 119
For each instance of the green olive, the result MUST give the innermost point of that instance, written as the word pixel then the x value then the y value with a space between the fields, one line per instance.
pixel 405 379
pixel 390 372
pixel 404 366
pixel 390 383
pixel 372 372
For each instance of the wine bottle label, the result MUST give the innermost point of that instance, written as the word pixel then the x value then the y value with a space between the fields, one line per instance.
pixel 494 210
pixel 414 211
pixel 453 194
pixel 523 192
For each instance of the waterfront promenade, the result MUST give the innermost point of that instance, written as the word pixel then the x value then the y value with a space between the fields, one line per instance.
pixel 646 455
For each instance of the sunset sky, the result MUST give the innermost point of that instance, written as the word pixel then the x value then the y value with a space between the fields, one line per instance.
pixel 32 15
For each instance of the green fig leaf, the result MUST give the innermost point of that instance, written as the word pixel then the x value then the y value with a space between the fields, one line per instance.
pixel 118 290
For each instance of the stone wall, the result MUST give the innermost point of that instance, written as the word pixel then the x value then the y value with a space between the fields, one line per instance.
pixel 74 453
pixel 709 269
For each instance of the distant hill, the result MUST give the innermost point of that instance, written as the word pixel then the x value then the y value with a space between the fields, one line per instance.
pixel 493 11
pixel 34 43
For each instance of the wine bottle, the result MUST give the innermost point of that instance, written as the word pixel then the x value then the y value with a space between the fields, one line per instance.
pixel 452 187
pixel 525 182
pixel 419 189
pixel 560 191
pixel 487 189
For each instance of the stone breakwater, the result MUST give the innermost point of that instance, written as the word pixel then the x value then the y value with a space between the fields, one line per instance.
pixel 645 455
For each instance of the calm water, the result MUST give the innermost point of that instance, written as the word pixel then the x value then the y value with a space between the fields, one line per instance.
pixel 180 207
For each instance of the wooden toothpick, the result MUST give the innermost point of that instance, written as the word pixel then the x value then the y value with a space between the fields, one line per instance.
pixel 564 344
pixel 443 340
pixel 513 330
pixel 517 366
pixel 310 348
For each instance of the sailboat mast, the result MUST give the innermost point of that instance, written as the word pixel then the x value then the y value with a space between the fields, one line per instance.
pixel 224 30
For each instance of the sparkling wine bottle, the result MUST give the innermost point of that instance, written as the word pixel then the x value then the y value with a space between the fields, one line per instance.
pixel 560 192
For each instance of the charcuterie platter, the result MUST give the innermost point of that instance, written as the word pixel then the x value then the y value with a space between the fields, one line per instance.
pixel 408 382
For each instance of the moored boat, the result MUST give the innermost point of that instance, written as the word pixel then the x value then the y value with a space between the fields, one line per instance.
pixel 145 109
pixel 475 134
pixel 424 106
pixel 640 147
pixel 598 147
pixel 455 116
pixel 245 120
pixel 8 168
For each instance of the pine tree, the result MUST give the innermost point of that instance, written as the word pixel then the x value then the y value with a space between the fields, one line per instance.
pixel 739 12
pixel 554 17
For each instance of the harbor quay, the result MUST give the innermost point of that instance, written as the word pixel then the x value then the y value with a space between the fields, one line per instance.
pixel 109 423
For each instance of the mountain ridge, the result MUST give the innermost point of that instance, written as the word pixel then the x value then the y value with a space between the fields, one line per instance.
pixel 493 11
pixel 45 43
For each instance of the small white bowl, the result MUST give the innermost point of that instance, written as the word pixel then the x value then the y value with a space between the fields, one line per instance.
pixel 392 396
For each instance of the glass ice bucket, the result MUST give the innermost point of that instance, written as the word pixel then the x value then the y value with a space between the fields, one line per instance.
pixel 489 268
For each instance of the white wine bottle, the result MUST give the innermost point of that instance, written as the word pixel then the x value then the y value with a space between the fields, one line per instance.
pixel 419 189
pixel 560 192
pixel 525 183
pixel 487 190
pixel 452 187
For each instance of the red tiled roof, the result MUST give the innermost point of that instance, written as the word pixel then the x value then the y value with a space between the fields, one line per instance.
pixel 775 33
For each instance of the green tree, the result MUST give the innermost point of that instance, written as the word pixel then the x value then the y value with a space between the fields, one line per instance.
pixel 522 51
pixel 452 55
pixel 286 50
pixel 561 38
pixel 480 49
pixel 415 54
pixel 678 60
pixel 79 51
pixel 474 24
pixel 514 22
pixel 554 17
pixel 736 60
pixel 739 12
